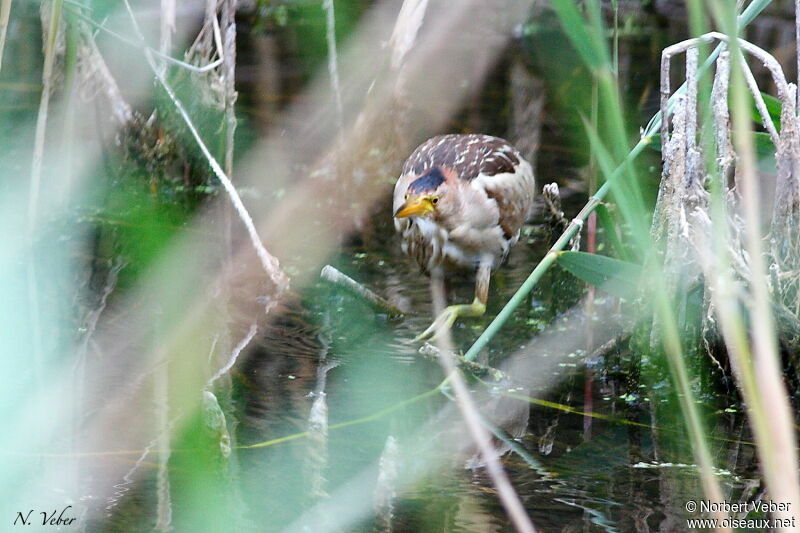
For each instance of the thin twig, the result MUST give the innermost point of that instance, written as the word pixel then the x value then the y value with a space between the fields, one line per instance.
pixel 268 261
pixel 766 120
pixel 142 47
pixel 235 354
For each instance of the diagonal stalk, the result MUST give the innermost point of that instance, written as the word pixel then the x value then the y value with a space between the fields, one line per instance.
pixel 763 387
pixel 535 276
pixel 33 194
pixel 5 14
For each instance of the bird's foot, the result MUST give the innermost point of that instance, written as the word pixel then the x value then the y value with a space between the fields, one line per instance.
pixel 448 317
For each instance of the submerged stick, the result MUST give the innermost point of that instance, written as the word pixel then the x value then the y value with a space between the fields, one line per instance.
pixel 335 277
pixel 430 351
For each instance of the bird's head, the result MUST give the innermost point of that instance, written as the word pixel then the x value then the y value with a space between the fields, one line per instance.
pixel 424 195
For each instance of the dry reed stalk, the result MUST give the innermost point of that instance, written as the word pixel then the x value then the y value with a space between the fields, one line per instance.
pixel 758 377
pixel 777 446
pixel 472 419
pixel 5 13
pixel 229 78
pixel 50 51
pixel 681 199
pixel 333 62
pixel 44 108
pixel 167 21
pixel 164 506
pixel 96 78
pixel 163 492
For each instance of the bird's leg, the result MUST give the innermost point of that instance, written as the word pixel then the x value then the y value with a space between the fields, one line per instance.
pixel 477 308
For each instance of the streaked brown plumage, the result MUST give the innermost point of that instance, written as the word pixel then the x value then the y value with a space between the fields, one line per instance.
pixel 460 203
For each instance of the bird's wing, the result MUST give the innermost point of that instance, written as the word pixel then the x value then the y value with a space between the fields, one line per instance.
pixel 470 156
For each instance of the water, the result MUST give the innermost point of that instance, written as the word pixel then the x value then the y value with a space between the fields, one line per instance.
pixel 621 476
pixel 626 468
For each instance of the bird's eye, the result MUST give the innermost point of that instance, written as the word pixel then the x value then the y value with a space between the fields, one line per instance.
pixel 406 196
pixel 434 201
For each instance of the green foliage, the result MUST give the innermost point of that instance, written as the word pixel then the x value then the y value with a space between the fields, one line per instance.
pixel 773 108
pixel 618 278
pixel 304 22
pixel 587 38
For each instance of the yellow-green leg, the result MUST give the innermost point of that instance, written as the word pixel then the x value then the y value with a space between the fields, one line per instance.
pixel 477 308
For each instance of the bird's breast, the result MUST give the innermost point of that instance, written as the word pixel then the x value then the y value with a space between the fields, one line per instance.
pixel 431 245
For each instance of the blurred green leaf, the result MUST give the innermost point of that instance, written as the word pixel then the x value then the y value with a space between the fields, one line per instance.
pixel 609 225
pixel 618 278
pixel 587 39
pixel 764 146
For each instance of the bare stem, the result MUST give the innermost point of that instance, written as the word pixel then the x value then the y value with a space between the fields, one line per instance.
pixel 229 78
pixel 472 418
pixel 5 13
pixel 167 28
pixel 770 411
pixel 333 67
pixel 36 177
pixel 269 262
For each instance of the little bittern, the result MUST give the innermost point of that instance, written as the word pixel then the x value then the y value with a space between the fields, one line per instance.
pixel 459 204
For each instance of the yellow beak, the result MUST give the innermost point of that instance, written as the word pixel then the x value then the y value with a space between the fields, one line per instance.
pixel 415 207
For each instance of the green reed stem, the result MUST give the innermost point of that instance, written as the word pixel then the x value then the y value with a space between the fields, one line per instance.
pixel 533 279
pixel 552 254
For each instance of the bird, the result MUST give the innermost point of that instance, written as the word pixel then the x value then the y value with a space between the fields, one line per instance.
pixel 459 205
